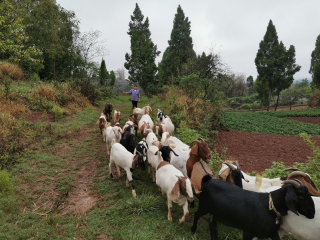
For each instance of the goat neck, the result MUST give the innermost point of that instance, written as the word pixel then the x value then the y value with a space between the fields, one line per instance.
pixel 194 157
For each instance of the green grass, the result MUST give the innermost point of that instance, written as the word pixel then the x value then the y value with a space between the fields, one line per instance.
pixel 265 123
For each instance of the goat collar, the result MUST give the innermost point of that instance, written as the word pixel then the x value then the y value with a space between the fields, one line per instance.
pixel 272 207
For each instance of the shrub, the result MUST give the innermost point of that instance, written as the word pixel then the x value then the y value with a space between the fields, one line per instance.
pixel 107 92
pixel 314 100
pixel 57 111
pixel 5 183
pixel 12 70
pixel 87 88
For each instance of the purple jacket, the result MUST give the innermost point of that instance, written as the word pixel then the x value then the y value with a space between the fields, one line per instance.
pixel 135 94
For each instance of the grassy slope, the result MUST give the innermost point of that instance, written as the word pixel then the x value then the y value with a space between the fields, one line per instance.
pixel 52 167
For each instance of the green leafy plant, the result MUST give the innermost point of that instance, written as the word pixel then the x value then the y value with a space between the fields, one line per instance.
pixel 5 183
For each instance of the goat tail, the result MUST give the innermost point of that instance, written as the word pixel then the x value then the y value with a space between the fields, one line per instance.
pixel 258 183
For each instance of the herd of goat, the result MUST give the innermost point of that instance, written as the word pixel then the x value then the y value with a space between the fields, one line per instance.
pixel 261 207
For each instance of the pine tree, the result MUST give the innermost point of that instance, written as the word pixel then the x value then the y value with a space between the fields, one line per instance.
pixel 315 64
pixel 141 63
pixel 180 48
pixel 113 78
pixel 250 84
pixel 275 65
pixel 103 72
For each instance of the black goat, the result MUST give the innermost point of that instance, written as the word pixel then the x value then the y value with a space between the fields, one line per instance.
pixel 127 140
pixel 165 150
pixel 250 211
pixel 108 111
pixel 160 116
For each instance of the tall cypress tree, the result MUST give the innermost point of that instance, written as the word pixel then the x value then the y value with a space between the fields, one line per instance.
pixel 103 72
pixel 180 48
pixel 275 65
pixel 141 63
pixel 315 64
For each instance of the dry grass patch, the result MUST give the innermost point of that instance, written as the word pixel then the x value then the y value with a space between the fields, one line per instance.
pixel 44 91
pixel 12 70
pixel 13 108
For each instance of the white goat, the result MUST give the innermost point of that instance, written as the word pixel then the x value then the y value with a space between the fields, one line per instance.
pixel 121 157
pixel 250 185
pixel 112 133
pixel 153 160
pixel 145 119
pixel 152 139
pixel 129 124
pixel 117 116
pixel 142 111
pixel 166 140
pixel 165 126
pixel 176 187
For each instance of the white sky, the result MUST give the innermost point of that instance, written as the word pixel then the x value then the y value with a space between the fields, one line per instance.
pixel 232 28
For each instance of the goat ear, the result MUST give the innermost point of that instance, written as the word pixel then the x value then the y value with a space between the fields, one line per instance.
pixel 175 191
pixel 194 149
pixel 194 188
pixel 223 176
pixel 292 200
pixel 174 152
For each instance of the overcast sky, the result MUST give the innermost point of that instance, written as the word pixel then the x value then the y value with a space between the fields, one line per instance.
pixel 232 28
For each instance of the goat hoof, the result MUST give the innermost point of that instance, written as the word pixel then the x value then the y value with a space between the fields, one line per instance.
pixel 193 229
pixel 170 219
pixel 111 175
pixel 180 221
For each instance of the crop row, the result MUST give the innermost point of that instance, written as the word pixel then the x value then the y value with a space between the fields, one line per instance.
pixel 264 123
pixel 298 113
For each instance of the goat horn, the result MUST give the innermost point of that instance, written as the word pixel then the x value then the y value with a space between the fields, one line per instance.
pixel 291 169
pixel 197 141
pixel 292 182
pixel 230 166
pixel 237 164
pixel 297 180
pixel 201 139
pixel 296 173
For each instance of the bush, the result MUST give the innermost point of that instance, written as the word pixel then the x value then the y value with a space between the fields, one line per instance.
pixel 107 92
pixel 57 111
pixel 5 183
pixel 87 88
pixel 11 70
pixel 314 100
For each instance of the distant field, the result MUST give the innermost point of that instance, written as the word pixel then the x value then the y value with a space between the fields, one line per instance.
pixel 272 122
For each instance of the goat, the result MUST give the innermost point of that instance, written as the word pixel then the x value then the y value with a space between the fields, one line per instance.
pixel 123 158
pixel 187 159
pixel 142 111
pixel 127 140
pixel 108 111
pixel 160 116
pixel 250 183
pixel 117 116
pixel 166 140
pixel 145 125
pixel 141 150
pixel 133 118
pixel 295 226
pixel 112 133
pixel 152 139
pixel 129 126
pixel 257 214
pixel 102 123
pixel 165 126
pixel 153 159
pixel 174 186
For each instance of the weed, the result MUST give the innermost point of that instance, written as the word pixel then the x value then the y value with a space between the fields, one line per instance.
pixel 5 183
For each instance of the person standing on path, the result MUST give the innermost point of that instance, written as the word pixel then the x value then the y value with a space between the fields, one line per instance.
pixel 135 96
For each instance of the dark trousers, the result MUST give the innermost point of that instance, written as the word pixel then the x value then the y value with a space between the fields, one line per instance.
pixel 134 104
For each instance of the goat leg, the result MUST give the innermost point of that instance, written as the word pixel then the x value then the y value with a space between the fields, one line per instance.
pixel 213 228
pixel 185 212
pixel 197 215
pixel 169 208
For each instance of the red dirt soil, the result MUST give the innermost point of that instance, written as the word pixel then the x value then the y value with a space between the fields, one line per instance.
pixel 37 117
pixel 257 151
pixel 314 120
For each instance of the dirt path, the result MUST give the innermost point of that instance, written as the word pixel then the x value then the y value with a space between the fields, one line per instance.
pixel 257 151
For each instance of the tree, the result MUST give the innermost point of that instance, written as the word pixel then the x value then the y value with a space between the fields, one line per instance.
pixel 89 46
pixel 13 38
pixel 250 84
pixel 315 64
pixel 141 62
pixel 103 73
pixel 275 65
pixel 121 73
pixel 113 78
pixel 180 48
